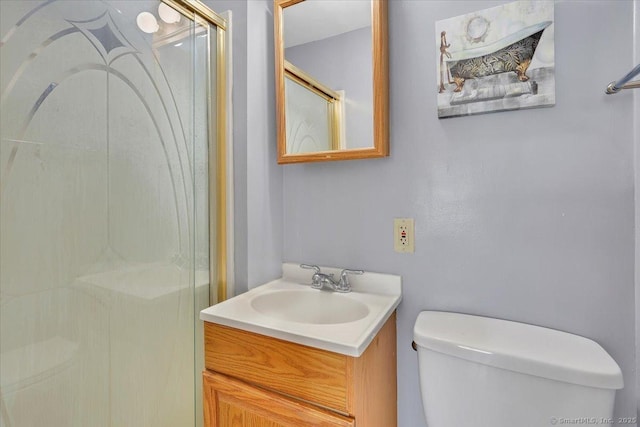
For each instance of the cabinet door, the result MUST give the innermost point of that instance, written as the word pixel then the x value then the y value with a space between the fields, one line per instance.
pixel 232 403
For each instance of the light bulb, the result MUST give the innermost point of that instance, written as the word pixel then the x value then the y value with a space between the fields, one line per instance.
pixel 147 22
pixel 168 14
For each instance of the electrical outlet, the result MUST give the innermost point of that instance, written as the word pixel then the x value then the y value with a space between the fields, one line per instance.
pixel 403 235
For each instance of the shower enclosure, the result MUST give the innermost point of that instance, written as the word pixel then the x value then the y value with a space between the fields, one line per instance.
pixel 107 157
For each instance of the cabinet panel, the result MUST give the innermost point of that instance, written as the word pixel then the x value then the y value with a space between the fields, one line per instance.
pixel 232 403
pixel 374 376
pixel 308 373
pixel 229 415
pixel 364 388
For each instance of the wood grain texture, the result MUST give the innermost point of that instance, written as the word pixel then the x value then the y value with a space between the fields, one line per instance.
pixel 380 77
pixel 363 387
pixel 233 403
pixel 375 380
pixel 227 414
pixel 278 39
pixel 304 372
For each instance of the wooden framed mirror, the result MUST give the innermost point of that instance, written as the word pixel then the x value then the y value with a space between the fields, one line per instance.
pixel 332 84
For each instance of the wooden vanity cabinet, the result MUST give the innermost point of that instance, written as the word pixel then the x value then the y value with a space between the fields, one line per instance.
pixel 252 380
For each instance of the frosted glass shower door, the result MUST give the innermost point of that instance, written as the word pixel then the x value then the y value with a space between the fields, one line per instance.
pixel 104 219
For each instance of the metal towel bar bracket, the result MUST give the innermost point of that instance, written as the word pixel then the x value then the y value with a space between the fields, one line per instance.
pixel 624 83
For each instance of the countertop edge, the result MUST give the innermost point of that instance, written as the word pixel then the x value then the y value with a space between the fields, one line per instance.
pixel 348 350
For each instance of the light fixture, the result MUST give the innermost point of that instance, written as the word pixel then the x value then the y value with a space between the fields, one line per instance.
pixel 147 22
pixel 168 14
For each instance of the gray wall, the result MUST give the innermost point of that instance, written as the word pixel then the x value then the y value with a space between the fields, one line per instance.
pixel 264 190
pixel 258 204
pixel 636 94
pixel 524 215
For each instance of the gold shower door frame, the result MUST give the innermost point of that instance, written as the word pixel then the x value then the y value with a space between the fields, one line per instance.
pixel 217 146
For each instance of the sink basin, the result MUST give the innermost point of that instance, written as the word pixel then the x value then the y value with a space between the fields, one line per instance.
pixel 289 309
pixel 309 306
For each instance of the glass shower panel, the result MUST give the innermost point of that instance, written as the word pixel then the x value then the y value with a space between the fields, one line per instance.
pixel 104 221
pixel 308 119
pixel 203 157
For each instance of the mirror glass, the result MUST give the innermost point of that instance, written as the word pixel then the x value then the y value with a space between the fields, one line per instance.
pixel 326 54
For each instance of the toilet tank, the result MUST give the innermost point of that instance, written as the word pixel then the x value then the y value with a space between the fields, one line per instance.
pixel 484 372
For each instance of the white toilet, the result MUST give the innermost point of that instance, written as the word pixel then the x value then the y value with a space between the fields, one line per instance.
pixel 483 372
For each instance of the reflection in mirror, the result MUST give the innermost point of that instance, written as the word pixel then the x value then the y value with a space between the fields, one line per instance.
pixel 331 64
pixel 330 41
pixel 314 113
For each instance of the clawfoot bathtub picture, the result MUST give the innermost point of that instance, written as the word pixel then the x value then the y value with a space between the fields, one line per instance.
pixel 496 59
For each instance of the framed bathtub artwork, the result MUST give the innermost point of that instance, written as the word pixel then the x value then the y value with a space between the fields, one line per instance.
pixel 496 59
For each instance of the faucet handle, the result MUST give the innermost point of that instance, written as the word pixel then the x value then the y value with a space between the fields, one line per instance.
pixel 344 276
pixel 316 279
pixel 311 267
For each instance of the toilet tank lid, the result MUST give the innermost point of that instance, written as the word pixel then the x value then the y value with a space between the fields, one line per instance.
pixel 518 347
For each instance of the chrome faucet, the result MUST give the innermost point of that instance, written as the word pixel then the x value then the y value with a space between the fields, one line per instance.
pixel 320 280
